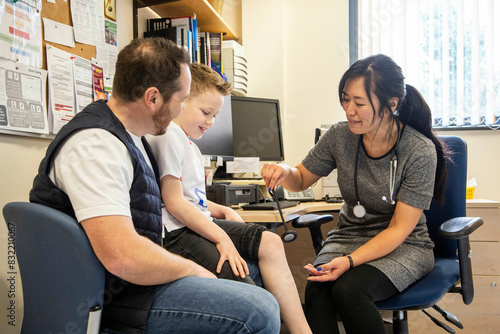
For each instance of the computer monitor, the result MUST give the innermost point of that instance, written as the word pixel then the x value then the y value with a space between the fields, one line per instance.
pixel 218 141
pixel 257 128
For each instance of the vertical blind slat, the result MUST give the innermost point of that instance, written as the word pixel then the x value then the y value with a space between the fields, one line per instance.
pixel 475 66
pixel 490 66
pixel 431 98
pixel 460 91
pixel 445 62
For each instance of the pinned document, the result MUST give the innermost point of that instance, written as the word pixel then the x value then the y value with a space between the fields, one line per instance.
pixel 59 33
pixel 243 165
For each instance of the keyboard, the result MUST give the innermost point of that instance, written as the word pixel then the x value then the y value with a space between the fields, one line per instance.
pixel 270 205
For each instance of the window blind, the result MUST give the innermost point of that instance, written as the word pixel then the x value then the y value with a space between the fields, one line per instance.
pixel 448 49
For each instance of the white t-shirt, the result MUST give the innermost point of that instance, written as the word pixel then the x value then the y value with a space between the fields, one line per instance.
pixel 94 168
pixel 180 157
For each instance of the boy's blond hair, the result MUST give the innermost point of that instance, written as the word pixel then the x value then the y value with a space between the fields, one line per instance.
pixel 203 78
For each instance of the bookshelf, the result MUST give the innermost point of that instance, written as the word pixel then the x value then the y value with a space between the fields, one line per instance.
pixel 208 18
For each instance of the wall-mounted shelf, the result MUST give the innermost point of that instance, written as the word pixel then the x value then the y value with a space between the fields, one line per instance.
pixel 208 18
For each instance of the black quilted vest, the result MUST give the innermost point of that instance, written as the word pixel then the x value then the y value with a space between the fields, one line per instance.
pixel 128 308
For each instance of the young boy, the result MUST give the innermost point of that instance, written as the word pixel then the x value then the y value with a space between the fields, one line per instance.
pixel 210 234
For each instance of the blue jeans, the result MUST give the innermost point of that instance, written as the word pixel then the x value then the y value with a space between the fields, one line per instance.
pixel 206 305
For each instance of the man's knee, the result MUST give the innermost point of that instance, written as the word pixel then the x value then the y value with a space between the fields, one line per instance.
pixel 220 302
pixel 264 311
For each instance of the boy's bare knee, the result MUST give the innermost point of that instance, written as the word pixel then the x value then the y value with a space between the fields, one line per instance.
pixel 271 240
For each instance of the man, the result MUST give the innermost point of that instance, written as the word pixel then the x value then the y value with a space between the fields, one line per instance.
pixel 99 170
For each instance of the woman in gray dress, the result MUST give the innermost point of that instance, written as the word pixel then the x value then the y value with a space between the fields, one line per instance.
pixel 390 165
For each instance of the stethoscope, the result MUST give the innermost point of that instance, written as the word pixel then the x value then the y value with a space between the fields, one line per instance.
pixel 359 210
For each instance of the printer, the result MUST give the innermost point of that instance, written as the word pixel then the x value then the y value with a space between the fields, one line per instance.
pixel 227 194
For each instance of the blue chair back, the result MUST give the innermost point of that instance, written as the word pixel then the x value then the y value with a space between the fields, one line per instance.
pixel 62 279
pixel 454 198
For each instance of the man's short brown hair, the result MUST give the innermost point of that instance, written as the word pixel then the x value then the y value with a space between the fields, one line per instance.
pixel 203 78
pixel 146 63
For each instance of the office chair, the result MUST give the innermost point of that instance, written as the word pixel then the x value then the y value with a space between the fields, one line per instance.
pixel 62 279
pixel 449 229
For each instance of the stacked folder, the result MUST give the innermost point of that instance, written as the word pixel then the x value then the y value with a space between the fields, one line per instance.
pixel 235 66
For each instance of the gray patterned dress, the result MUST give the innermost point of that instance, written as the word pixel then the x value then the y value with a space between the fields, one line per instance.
pixel 414 185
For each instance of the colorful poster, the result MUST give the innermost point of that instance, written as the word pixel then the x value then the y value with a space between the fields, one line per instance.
pixel 98 83
pixel 23 105
pixel 21 31
pixel 111 33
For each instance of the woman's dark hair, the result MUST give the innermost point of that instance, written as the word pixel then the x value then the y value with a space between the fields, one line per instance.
pixel 145 63
pixel 384 79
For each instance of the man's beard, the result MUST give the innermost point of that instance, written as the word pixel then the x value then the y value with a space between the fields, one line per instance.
pixel 161 120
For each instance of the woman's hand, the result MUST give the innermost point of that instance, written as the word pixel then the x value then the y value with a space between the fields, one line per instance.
pixel 274 174
pixel 229 253
pixel 330 271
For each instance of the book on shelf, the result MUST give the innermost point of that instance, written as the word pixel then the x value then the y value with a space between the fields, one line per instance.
pixel 174 34
pixel 190 33
pixel 158 24
pixel 208 55
pixel 203 47
pixel 216 49
pixel 188 27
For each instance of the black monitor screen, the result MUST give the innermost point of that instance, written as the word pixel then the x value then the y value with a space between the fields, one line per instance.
pixel 257 128
pixel 218 140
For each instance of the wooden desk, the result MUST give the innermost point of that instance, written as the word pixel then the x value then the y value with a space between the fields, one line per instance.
pixel 273 216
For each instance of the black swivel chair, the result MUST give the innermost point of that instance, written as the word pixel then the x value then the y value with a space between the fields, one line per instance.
pixel 62 279
pixel 449 229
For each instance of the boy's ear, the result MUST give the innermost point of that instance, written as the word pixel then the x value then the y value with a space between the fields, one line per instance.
pixel 152 98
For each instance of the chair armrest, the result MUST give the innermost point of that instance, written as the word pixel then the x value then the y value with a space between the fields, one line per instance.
pixel 311 220
pixel 460 227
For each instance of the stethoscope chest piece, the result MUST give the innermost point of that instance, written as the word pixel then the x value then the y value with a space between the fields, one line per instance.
pixel 359 210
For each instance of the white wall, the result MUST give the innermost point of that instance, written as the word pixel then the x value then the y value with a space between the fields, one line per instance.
pixel 294 52
pixel 483 148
